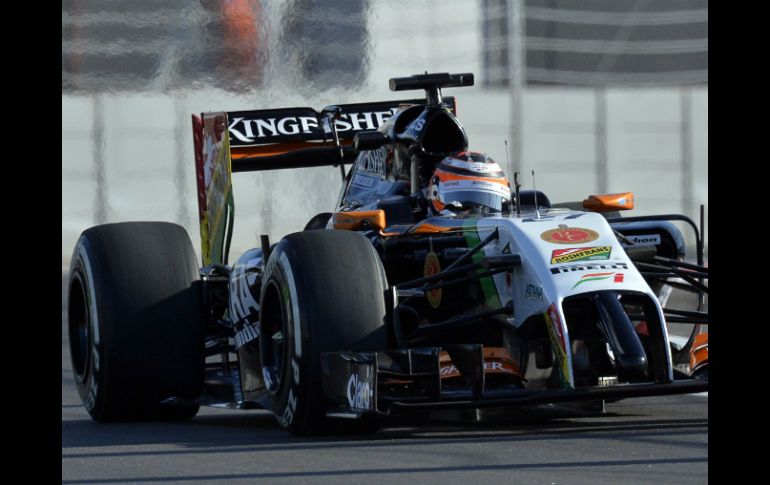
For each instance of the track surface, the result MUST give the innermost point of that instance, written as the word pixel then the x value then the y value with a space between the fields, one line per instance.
pixel 644 440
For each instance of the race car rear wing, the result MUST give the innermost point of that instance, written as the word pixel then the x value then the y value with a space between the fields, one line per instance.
pixel 245 141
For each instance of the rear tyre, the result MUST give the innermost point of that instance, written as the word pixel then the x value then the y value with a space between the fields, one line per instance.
pixel 136 324
pixel 322 291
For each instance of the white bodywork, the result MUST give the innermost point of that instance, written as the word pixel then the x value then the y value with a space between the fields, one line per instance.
pixel 539 283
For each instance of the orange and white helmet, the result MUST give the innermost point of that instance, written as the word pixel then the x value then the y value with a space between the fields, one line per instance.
pixel 469 180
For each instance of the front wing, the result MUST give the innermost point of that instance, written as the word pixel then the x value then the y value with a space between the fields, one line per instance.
pixel 357 384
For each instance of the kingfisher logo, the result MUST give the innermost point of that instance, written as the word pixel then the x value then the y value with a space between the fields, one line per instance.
pixel 617 278
pixel 267 126
pixel 580 254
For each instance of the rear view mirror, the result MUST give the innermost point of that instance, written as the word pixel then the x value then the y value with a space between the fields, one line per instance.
pixel 357 220
pixel 609 202
pixel 369 140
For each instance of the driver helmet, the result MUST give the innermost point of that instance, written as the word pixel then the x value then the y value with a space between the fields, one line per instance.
pixel 469 181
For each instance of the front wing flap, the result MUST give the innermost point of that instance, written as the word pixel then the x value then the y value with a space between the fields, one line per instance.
pixel 406 380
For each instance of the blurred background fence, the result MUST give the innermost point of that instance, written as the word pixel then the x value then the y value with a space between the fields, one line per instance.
pixel 595 96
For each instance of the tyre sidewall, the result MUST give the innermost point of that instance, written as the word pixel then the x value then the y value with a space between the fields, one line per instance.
pixel 290 398
pixel 91 384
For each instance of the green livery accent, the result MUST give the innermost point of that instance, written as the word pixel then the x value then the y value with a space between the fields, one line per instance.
pixel 562 368
pixel 224 231
pixel 487 283
pixel 220 200
pixel 598 276
pixel 554 345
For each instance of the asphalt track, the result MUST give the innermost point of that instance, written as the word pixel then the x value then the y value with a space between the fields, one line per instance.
pixel 643 440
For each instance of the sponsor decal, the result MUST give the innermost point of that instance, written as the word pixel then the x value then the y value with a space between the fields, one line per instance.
pixel 569 235
pixel 570 255
pixel 418 124
pixel 246 334
pixel 607 381
pixel 645 239
pixel 214 180
pixel 546 218
pixel 373 161
pixel 365 181
pixel 450 253
pixel 291 408
pixel 491 367
pixel 359 393
pixel 588 267
pixel 478 167
pixel 534 292
pixel 252 128
pixel 258 127
pixel 244 306
pixel 431 267
pixel 558 343
pixel 244 130
pixel 475 186
pixel 291 405
pixel 616 278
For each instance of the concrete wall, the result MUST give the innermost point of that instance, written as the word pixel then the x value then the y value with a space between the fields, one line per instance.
pixel 129 156
pixel 654 145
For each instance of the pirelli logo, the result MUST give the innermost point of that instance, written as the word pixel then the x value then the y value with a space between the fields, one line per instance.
pixel 580 254
pixel 588 267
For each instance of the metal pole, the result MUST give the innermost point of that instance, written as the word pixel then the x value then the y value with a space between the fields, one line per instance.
pixel 688 195
pixel 516 80
pixel 181 168
pixel 97 139
pixel 700 242
pixel 602 166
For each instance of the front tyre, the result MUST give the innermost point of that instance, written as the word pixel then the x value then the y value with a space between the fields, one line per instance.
pixel 322 291
pixel 136 324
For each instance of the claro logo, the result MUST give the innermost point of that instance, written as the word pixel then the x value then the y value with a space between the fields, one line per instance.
pixel 358 393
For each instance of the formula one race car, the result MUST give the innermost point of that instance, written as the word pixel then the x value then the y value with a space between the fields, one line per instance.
pixel 433 285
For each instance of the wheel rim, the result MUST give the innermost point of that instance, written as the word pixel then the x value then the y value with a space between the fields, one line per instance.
pixel 273 324
pixel 79 328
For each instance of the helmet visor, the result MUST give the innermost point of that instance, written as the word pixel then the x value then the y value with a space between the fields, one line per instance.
pixel 475 193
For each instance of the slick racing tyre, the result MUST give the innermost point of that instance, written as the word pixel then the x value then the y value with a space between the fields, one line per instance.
pixel 136 324
pixel 322 291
